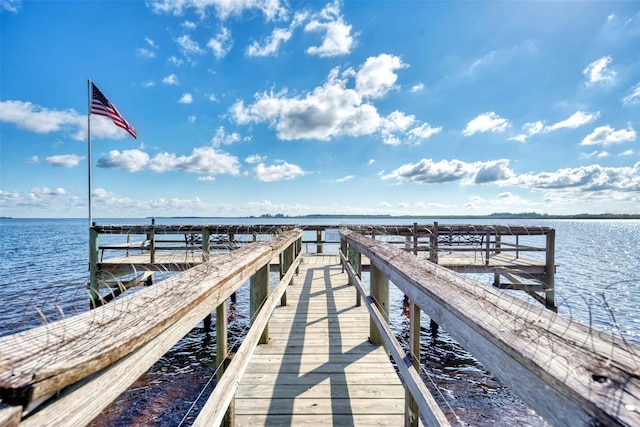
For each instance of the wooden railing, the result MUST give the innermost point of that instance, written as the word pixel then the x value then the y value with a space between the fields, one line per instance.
pixel 436 241
pixel 568 373
pixel 81 364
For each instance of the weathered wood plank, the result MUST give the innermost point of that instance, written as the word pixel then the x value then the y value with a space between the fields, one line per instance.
pixel 378 378
pixel 568 372
pixel 277 406
pixel 323 390
pixel 139 280
pixel 330 367
pixel 45 359
pixel 355 420
pixel 9 415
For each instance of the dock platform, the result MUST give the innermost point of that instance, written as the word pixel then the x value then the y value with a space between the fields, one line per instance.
pixel 319 367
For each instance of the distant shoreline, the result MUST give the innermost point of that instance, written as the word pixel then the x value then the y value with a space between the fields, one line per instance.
pixel 490 216
pixel 493 216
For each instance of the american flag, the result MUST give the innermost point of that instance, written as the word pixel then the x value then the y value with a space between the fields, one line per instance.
pixel 101 106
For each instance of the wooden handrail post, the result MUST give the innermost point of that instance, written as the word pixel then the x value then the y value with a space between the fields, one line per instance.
pixel 223 358
pixel 286 260
pixel 319 241
pixel 433 239
pixel 497 247
pixel 488 247
pixel 343 249
pixel 258 294
pixel 355 259
pixel 206 242
pixel 282 269
pixel 94 293
pixel 411 413
pixel 151 237
pixel 550 294
pixel 415 238
pixel 380 293
pixel 297 252
pixel 221 338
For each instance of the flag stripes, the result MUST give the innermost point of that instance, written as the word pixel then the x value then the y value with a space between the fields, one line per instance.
pixel 101 106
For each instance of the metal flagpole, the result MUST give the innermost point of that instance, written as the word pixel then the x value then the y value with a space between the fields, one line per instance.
pixel 89 148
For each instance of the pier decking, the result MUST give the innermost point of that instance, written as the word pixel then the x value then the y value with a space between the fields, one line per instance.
pixel 319 367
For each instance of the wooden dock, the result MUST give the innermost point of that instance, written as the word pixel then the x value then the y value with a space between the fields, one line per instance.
pixel 319 367
pixel 314 353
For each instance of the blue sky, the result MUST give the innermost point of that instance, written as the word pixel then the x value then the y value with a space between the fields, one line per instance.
pixel 358 107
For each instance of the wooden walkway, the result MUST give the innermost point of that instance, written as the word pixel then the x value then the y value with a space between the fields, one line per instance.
pixel 319 367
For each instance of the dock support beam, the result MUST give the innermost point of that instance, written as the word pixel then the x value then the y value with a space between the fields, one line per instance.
pixel 259 292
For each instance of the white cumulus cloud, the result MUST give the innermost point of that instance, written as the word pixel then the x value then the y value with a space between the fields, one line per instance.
pixel 576 120
pixel 129 160
pixel 378 75
pixel 599 72
pixel 204 160
pixel 221 137
pixel 426 171
pixel 255 158
pixel 271 9
pixel 342 106
pixel 221 44
pixel 278 172
pixel 189 46
pixel 171 79
pixel 337 33
pixel 487 122
pixel 606 135
pixel 186 98
pixel 65 160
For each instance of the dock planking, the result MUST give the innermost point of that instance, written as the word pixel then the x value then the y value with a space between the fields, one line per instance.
pixel 319 366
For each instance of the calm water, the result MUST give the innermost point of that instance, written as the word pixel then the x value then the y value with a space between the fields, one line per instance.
pixel 44 272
